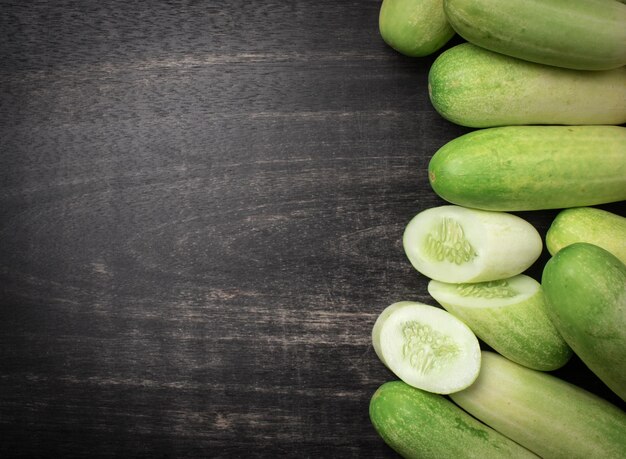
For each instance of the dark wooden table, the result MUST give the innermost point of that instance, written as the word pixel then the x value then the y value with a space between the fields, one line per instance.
pixel 201 212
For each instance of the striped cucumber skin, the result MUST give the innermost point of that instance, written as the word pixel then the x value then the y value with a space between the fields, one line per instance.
pixel 510 316
pixel 577 34
pixel 515 168
pixel 474 87
pixel 547 415
pixel 419 424
pixel 414 28
pixel 585 288
pixel 588 224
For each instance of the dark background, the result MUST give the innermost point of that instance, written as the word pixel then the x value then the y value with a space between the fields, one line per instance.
pixel 201 212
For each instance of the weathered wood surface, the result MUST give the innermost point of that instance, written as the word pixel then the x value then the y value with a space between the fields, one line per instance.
pixel 201 213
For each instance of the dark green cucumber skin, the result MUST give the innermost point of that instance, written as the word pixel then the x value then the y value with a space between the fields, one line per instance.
pixel 585 288
pixel 517 168
pixel 576 34
pixel 419 424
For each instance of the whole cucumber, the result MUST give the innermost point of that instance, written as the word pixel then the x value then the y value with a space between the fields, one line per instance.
pixel 414 28
pixel 475 87
pixel 577 34
pixel 515 168
pixel 585 289
pixel 588 224
pixel 419 424
pixel 543 413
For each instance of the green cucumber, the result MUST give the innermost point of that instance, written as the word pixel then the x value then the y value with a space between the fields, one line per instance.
pixel 474 87
pixel 426 347
pixel 418 424
pixel 414 27
pixel 588 224
pixel 514 168
pixel 510 316
pixel 577 34
pixel 585 288
pixel 543 413
pixel 455 244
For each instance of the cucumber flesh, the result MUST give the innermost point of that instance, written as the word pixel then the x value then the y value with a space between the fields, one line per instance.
pixel 510 316
pixel 426 347
pixel 456 244
pixel 547 415
pixel 418 424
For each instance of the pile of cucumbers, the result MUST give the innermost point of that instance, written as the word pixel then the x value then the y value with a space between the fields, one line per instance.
pixel 543 82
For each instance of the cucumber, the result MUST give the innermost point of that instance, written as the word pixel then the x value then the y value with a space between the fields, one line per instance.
pixel 514 168
pixel 426 347
pixel 414 27
pixel 455 244
pixel 547 415
pixel 577 34
pixel 418 424
pixel 588 224
pixel 510 316
pixel 474 87
pixel 585 289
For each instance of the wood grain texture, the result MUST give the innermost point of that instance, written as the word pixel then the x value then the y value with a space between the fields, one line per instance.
pixel 201 213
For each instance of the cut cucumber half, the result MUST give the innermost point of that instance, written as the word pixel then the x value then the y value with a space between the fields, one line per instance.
pixel 426 347
pixel 510 316
pixel 455 244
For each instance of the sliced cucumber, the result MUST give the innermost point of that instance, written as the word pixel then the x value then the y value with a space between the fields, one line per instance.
pixel 426 347
pixel 510 316
pixel 456 244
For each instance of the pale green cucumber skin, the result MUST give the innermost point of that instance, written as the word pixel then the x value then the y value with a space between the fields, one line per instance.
pixel 577 34
pixel 521 331
pixel 418 424
pixel 588 224
pixel 474 87
pixel 547 415
pixel 414 28
pixel 585 289
pixel 517 168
